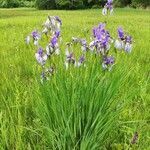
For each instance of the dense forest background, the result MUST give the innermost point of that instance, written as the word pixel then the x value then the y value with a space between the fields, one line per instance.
pixel 71 4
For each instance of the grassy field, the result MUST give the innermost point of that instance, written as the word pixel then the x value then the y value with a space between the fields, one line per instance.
pixel 82 108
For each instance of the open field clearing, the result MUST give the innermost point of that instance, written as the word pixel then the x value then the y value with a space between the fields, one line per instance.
pixel 82 108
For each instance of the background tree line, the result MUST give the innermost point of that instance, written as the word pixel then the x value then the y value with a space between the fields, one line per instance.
pixel 70 4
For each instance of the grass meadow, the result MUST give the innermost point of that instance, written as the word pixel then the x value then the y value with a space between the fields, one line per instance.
pixel 77 109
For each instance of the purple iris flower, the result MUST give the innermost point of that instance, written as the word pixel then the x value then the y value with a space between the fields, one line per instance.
pixel 128 39
pixel 57 33
pixel 41 57
pixel 40 52
pixel 107 33
pixel 110 1
pixel 81 59
pixel 35 35
pixel 109 60
pixel 70 58
pixel 54 41
pixel 102 39
pixel 83 42
pixel 43 76
pixel 58 19
pixel 109 4
pixel 99 32
pixel 124 41
pixel 102 26
pixel 121 33
pixel 104 43
pixel 94 32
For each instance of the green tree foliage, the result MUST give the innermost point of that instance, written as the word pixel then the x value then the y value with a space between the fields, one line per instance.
pixel 138 3
pixel 9 3
pixel 46 4
pixel 16 3
pixel 78 4
pixel 71 4
pixel 59 4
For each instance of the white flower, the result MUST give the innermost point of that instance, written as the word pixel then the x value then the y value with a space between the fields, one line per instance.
pixel 92 46
pixel 128 47
pixel 57 51
pixel 27 40
pixel 36 43
pixel 104 11
pixel 83 48
pixel 45 30
pixel 111 11
pixel 67 52
pixel 104 66
pixel 58 25
pixel 41 59
pixel 48 50
pixel 47 23
pixel 119 44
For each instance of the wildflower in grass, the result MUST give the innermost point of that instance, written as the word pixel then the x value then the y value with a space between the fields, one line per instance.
pixel 58 20
pixel 50 71
pixel 75 40
pixel 41 57
pixel 128 44
pixel 135 138
pixel 47 23
pixel 45 31
pixel 36 36
pixel 104 11
pixel 70 59
pixel 121 33
pixel 108 62
pixel 43 77
pixel 57 34
pixel 83 43
pixel 108 7
pixel 54 41
pixel 53 46
pixel 27 40
pixel 47 73
pixel 81 61
pixel 124 41
pixel 119 43
pixel 84 46
pixel 52 24
pixel 56 23
pixel 102 40
pixel 100 44
pixel 92 45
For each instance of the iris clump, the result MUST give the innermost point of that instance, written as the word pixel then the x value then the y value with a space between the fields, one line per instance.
pixel 108 7
pixel 52 30
pixel 124 41
pixel 100 45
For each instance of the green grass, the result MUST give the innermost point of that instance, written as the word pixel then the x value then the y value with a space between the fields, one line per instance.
pixel 77 109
